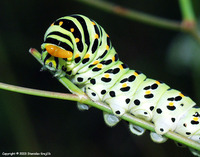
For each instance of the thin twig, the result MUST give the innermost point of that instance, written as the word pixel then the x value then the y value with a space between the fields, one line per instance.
pixel 41 93
pixel 187 10
pixel 189 22
pixel 101 106
pixel 187 25
pixel 134 15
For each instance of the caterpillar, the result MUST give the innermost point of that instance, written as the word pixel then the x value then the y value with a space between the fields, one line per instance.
pixel 78 48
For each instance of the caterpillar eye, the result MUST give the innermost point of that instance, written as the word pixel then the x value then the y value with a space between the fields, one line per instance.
pixel 58 52
pixel 50 64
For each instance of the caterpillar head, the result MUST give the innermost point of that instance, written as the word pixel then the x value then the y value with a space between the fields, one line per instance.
pixel 57 41
pixel 56 50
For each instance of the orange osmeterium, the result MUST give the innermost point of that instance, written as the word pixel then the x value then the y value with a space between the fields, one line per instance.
pixel 58 52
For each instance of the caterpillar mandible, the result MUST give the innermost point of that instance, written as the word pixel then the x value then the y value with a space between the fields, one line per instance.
pixel 78 48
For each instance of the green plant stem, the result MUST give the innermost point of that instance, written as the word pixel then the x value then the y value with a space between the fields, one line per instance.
pixel 187 10
pixel 189 20
pixel 187 25
pixel 84 99
pixel 36 92
pixel 134 15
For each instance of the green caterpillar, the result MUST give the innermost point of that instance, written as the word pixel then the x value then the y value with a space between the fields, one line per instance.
pixel 78 48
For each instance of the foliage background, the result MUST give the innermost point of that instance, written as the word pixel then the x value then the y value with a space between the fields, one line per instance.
pixel 35 124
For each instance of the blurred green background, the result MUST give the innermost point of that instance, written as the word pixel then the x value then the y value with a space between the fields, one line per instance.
pixel 36 124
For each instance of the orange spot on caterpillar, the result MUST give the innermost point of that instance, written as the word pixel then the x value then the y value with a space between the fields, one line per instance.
pixel 124 85
pixel 95 62
pixel 93 23
pixel 180 94
pixel 52 24
pixel 96 36
pixel 77 55
pixel 136 74
pixel 121 67
pixel 57 51
pixel 148 92
pixel 60 23
pixel 106 75
pixel 72 30
pixel 113 58
pixel 87 55
pixel 171 104
pixel 107 47
pixel 157 82
pixel 195 118
pixel 77 40
pixel 99 66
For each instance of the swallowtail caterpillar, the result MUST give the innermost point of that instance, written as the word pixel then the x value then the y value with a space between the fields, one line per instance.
pixel 78 48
